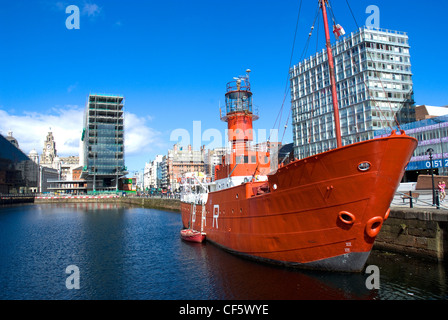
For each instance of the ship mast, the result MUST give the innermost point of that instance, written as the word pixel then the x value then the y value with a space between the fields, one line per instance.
pixel 332 75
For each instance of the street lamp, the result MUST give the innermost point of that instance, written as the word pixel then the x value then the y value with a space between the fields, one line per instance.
pixel 430 151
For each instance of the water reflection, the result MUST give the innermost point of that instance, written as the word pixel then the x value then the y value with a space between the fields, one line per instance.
pixel 238 278
pixel 136 253
pixel 404 277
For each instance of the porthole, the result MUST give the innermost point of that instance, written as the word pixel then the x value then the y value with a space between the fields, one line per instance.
pixel 364 166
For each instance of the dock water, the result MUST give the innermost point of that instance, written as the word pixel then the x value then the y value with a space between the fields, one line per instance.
pixel 421 230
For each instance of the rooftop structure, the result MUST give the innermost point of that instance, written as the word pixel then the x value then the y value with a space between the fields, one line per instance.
pixel 11 139
pixel 426 112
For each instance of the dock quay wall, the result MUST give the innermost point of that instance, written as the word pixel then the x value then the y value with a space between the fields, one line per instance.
pixel 154 203
pixel 416 231
pixel 150 203
pixel 15 199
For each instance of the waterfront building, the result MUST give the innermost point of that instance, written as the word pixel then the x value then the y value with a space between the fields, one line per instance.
pixel 138 176
pixel 68 187
pixel 181 160
pixel 374 85
pixel 211 159
pixel 49 152
pixel 146 176
pixel 45 174
pixel 55 172
pixel 128 184
pixel 18 173
pixel 153 174
pixel 432 133
pixel 73 184
pixel 164 173
pixel 67 165
pixel 103 142
pixel 49 159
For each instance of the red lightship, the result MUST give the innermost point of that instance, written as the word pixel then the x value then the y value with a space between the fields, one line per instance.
pixel 322 212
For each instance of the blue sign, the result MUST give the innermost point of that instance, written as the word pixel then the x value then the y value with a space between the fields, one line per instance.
pixel 423 165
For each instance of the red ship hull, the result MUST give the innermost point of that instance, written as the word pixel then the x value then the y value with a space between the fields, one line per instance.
pixel 323 212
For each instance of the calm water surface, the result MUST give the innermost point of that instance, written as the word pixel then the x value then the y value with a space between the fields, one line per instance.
pixel 136 253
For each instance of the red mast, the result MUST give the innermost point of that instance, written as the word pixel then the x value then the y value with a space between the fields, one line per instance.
pixel 332 75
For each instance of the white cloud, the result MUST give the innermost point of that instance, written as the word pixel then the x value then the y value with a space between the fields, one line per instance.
pixel 31 128
pixel 86 8
pixel 139 138
pixel 91 9
pixel 60 5
pixel 72 87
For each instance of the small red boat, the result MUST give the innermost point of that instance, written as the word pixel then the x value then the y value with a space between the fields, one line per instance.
pixel 192 235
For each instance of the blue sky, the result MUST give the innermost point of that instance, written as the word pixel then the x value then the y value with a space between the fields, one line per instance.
pixel 172 59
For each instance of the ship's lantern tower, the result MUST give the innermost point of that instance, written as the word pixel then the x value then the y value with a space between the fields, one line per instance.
pixel 239 111
pixel 244 161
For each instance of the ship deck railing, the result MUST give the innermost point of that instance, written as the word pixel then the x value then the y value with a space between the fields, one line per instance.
pixel 196 198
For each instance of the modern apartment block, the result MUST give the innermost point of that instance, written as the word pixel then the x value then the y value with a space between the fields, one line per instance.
pixel 103 142
pixel 374 84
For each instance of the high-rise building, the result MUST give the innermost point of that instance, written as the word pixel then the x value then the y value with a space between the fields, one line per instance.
pixel 374 85
pixel 103 141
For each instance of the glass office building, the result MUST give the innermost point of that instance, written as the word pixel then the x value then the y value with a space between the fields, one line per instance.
pixel 374 83
pixel 18 173
pixel 103 141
